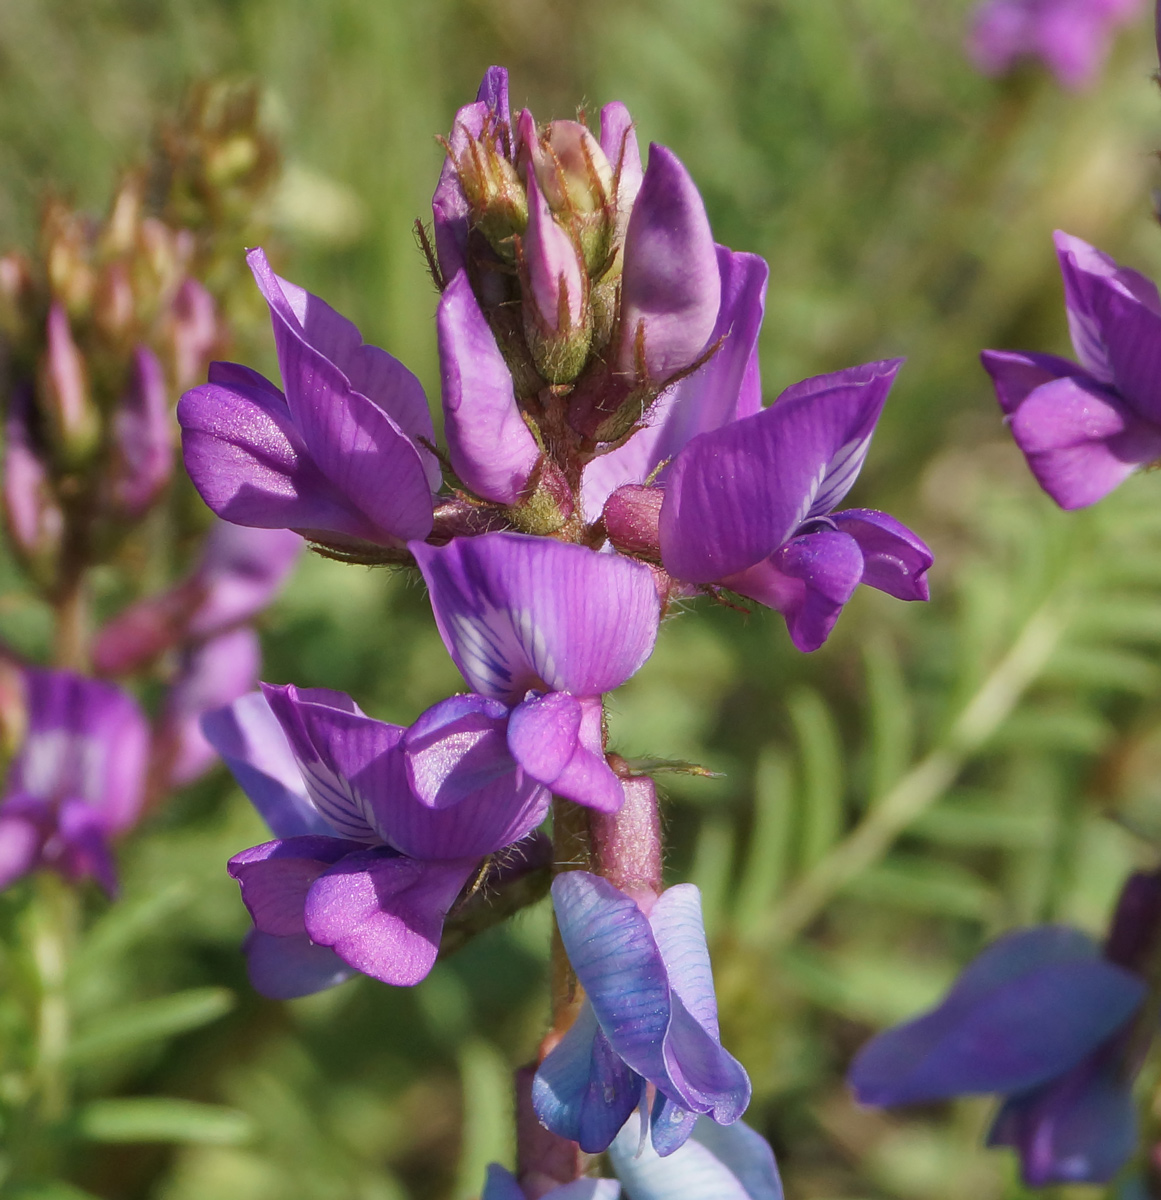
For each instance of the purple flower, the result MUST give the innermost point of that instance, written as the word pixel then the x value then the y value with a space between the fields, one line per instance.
pixel 540 629
pixel 1071 37
pixel 649 1017
pixel 1086 428
pixel 749 506
pixel 340 457
pixel 210 674
pixel 366 863
pixel 77 781
pixel 718 1162
pixel 1047 1021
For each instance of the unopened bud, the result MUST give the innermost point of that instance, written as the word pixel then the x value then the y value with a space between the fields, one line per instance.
pixel 143 438
pixel 193 332
pixel 73 421
pixel 68 249
pixel 632 515
pixel 13 711
pixel 578 183
pixel 557 324
pixel 619 143
pixel 113 306
pixel 33 517
pixel 493 190
pixel 627 843
pixel 120 231
pixel 17 294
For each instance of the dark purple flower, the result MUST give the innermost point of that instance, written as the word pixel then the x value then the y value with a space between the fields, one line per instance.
pixel 649 1017
pixel 749 506
pixel 1071 37
pixel 77 781
pixel 340 457
pixel 363 864
pixel 1047 1021
pixel 1086 428
pixel 240 572
pixel 541 629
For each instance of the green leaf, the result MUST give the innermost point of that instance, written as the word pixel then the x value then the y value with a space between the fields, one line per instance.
pixel 927 886
pixel 488 1115
pixel 150 1021
pixel 163 1119
pixel 821 756
pixel 767 859
pixel 125 924
pixel 891 716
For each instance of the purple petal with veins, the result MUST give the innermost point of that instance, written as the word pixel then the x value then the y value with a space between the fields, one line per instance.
pixel 521 613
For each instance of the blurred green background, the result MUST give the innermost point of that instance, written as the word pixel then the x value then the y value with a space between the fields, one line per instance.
pixel 905 205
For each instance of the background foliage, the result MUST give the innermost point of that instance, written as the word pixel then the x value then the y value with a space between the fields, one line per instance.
pixel 996 752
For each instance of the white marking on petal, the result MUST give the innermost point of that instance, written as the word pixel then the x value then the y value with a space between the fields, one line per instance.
pixel 839 475
pixel 337 802
pixel 483 640
pixel 57 762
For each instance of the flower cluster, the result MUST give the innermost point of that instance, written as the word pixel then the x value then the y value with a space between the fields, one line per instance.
pixel 98 336
pixel 607 452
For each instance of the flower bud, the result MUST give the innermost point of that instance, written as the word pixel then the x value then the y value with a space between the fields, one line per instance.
pixel 577 181
pixel 68 251
pixel 492 188
pixel 13 711
pixel 33 517
pixel 17 295
pixel 556 318
pixel 143 438
pixel 631 516
pixel 73 422
pixel 193 332
pixel 1136 925
pixel 114 305
pixel 619 143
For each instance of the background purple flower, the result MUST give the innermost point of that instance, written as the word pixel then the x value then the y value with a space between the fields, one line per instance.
pixel 1043 1019
pixel 1084 429
pixel 77 781
pixel 1070 37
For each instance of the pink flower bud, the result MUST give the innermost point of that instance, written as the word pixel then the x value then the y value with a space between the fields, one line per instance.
pixel 72 418
pixel 631 517
pixel 34 519
pixel 556 322
pixel 143 438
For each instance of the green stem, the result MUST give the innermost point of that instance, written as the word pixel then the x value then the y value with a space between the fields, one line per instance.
pixel 923 785
pixel 71 643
